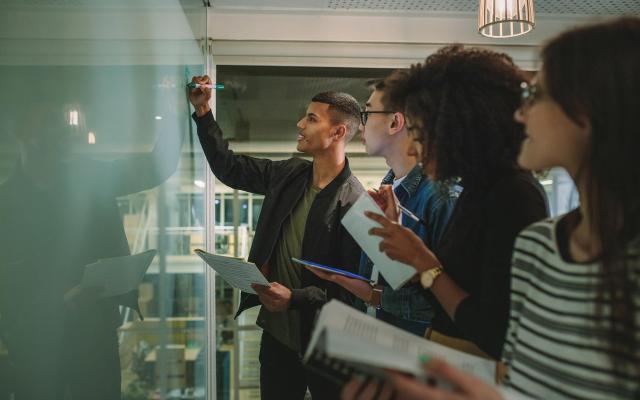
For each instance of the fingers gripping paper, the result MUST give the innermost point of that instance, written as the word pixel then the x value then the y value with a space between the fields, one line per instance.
pixel 358 225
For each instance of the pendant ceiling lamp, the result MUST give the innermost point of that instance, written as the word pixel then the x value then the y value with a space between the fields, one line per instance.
pixel 505 18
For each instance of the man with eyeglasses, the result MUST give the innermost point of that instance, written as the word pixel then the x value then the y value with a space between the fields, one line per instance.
pixel 301 217
pixel 383 131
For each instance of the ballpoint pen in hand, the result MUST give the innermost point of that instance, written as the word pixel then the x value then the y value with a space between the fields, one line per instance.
pixel 407 212
pixel 193 85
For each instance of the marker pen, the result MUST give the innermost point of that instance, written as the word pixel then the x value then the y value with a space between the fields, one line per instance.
pixel 217 86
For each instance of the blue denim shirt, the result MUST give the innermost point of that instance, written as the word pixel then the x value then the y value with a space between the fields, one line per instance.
pixel 408 307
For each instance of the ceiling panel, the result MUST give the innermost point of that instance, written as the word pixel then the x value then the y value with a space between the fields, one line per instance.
pixel 70 4
pixel 588 7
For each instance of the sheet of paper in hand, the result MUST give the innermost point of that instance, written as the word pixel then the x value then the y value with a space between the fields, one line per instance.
pixel 236 272
pixel 358 225
pixel 117 275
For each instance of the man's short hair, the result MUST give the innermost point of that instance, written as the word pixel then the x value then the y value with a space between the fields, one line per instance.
pixel 395 103
pixel 376 84
pixel 343 108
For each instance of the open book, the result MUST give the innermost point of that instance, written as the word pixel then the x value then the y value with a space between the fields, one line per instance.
pixel 346 340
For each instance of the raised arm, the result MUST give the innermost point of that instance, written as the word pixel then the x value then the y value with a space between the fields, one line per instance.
pixel 237 171
pixel 134 174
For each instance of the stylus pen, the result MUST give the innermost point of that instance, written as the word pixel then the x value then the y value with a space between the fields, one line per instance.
pixel 407 212
pixel 193 85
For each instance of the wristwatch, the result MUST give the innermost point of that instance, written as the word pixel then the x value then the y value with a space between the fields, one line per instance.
pixel 376 296
pixel 429 276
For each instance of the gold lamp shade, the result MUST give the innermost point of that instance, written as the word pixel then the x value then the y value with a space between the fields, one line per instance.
pixel 505 18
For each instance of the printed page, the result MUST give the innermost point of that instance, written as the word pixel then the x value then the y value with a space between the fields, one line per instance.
pixel 386 346
pixel 358 225
pixel 117 275
pixel 235 272
pixel 341 345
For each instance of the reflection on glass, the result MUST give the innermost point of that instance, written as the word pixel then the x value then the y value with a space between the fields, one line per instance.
pixel 97 162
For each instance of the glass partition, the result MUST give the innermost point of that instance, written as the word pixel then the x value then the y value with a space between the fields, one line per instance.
pixel 99 163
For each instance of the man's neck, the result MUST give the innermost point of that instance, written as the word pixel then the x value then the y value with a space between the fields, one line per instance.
pixel 326 167
pixel 399 162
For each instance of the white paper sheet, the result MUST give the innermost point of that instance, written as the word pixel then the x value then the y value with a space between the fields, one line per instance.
pixel 353 336
pixel 235 272
pixel 358 225
pixel 117 275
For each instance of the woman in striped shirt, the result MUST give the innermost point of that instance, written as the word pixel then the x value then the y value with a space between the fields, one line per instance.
pixel 575 293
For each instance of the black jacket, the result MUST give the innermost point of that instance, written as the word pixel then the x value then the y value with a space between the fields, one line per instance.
pixel 476 251
pixel 283 184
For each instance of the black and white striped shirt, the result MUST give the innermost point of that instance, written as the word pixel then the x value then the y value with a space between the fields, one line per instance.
pixel 554 348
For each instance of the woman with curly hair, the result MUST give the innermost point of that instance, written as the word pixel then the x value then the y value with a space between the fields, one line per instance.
pixel 460 104
pixel 575 287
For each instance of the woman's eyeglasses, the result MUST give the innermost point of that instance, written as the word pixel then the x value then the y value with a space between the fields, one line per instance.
pixel 364 115
pixel 530 93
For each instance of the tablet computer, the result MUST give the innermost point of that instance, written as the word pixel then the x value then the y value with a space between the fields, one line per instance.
pixel 331 269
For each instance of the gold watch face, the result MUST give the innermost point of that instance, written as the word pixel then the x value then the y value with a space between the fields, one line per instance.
pixel 426 279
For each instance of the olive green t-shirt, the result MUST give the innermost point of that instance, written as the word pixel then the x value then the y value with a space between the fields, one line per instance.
pixel 285 326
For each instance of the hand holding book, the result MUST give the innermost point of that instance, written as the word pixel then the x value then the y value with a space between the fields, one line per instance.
pixel 459 386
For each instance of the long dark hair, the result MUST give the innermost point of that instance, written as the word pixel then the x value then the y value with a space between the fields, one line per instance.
pixel 464 99
pixel 593 72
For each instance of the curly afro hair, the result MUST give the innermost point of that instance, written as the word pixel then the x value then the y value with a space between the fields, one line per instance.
pixel 463 100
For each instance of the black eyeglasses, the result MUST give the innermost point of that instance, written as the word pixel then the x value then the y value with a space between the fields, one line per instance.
pixel 529 94
pixel 364 115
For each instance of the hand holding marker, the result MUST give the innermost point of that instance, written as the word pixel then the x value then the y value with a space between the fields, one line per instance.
pixel 193 85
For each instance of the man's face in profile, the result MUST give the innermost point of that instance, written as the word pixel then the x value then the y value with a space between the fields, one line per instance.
pixel 315 129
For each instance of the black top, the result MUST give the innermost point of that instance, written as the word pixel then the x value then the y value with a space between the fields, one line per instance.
pixel 475 252
pixel 283 184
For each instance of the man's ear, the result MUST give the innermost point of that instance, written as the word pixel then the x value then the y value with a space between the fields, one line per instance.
pixel 340 132
pixel 585 124
pixel 398 123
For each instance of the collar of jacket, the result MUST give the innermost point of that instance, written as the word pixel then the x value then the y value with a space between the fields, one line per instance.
pixel 336 182
pixel 410 183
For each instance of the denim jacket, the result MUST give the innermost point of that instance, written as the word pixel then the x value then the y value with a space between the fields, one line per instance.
pixel 434 203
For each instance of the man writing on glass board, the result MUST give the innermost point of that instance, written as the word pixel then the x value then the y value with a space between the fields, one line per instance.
pixel 303 206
